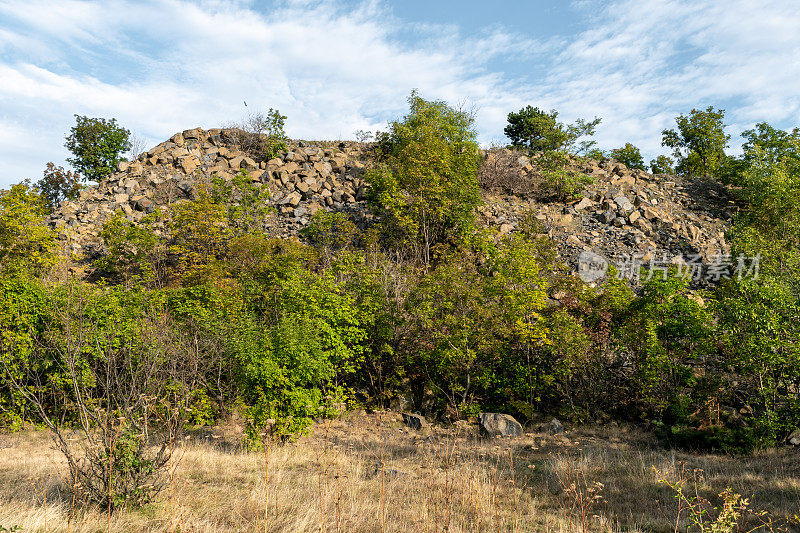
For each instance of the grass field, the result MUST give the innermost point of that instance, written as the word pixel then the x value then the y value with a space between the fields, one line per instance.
pixel 368 472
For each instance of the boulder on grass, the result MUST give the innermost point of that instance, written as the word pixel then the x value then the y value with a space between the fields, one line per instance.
pixel 500 425
pixel 413 421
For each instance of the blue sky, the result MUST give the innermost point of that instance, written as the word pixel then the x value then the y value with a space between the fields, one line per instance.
pixel 162 66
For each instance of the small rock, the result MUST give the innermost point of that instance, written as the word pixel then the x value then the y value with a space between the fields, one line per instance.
pixel 554 427
pixel 794 438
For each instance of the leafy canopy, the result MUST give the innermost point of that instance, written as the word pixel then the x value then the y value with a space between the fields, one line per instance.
pixel 629 155
pixel 97 145
pixel 58 185
pixel 25 238
pixel 699 142
pixel 426 188
pixel 540 131
pixel 662 165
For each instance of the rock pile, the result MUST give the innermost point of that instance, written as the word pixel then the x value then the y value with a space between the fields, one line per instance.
pixel 621 212
pixel 309 177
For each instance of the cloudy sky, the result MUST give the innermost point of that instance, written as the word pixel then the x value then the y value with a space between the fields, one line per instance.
pixel 336 66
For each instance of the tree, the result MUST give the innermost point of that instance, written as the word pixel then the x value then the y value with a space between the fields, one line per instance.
pixel 426 188
pixel 699 142
pixel 771 145
pixel 25 238
pixel 98 145
pixel 58 185
pixel 662 165
pixel 540 131
pixel 629 155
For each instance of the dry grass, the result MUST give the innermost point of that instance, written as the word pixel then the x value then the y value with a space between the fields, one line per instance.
pixel 370 473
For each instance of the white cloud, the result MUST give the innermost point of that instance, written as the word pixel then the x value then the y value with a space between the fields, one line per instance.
pixel 160 66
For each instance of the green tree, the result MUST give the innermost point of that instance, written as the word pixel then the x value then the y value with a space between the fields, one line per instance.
pixel 273 126
pixel 540 131
pixel 97 145
pixel 426 188
pixel 133 251
pixel 629 155
pixel 25 238
pixel 770 145
pixel 662 165
pixel 699 142
pixel 58 185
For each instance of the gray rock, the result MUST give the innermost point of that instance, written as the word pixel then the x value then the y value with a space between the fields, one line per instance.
pixel 554 427
pixel 794 438
pixel 608 217
pixel 500 425
pixel 414 421
pixel 623 204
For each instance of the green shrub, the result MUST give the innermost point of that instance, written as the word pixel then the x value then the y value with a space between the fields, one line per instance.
pixel 426 188
pixel 629 155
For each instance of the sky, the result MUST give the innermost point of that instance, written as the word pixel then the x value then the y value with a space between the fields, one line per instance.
pixel 337 66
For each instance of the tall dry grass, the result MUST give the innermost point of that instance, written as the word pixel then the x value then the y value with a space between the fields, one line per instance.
pixel 368 473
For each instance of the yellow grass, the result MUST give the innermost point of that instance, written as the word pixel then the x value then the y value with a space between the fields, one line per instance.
pixel 440 479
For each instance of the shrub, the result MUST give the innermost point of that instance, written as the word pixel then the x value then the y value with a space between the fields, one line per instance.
pixel 426 188
pixel 559 180
pixel 57 185
pixel 97 145
pixel 124 375
pixel 629 155
pixel 262 134
pixel 662 165
pixel 26 241
pixel 245 203
pixel 133 251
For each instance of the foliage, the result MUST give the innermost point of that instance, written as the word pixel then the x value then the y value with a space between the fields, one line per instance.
pixel 97 145
pixel 540 131
pixel 699 142
pixel 421 305
pixel 772 146
pixel 58 185
pixel 200 233
pixel 245 202
pixel 559 180
pixel 426 189
pixel 26 241
pixel 662 165
pixel 133 251
pixel 121 373
pixel 629 155
pixel 271 126
pixel 329 232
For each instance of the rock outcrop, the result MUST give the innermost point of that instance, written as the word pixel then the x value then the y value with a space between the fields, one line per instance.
pixel 622 212
pixel 309 177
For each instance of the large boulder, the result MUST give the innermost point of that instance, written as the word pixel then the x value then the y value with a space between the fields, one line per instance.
pixel 500 425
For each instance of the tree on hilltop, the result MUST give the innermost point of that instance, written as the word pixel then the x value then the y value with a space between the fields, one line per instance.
pixel 98 145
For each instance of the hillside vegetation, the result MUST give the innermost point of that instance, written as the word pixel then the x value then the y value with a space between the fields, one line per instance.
pixel 234 274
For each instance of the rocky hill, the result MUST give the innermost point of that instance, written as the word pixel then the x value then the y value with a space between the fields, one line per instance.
pixel 623 212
